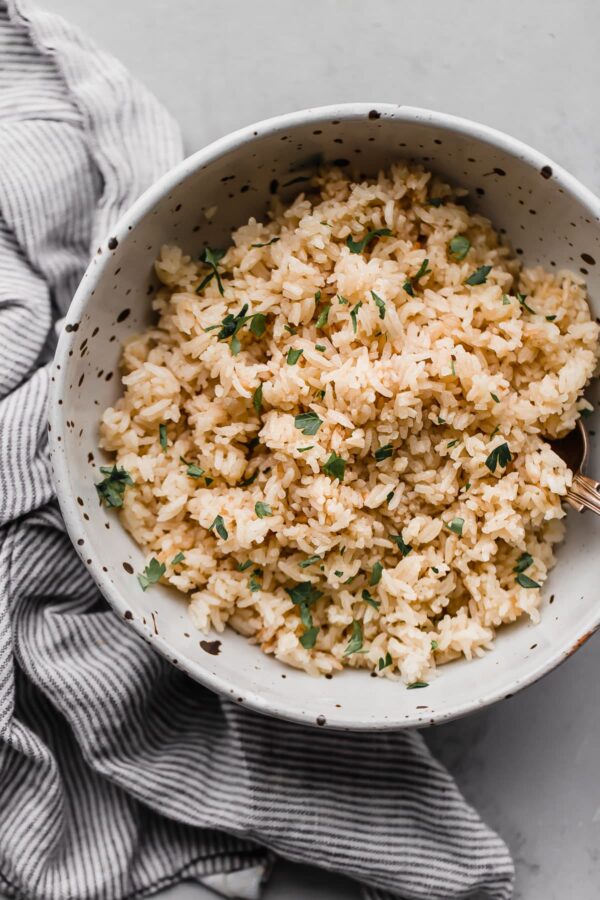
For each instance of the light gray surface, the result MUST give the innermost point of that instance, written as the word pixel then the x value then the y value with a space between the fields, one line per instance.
pixel 529 764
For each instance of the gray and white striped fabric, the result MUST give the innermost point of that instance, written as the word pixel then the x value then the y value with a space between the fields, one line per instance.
pixel 118 775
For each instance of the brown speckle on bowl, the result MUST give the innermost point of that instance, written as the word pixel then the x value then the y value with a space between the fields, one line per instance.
pixel 124 314
pixel 113 243
pixel 321 720
pixel 546 171
pixel 373 114
pixel 588 259
pixel 80 501
pixel 212 647
pixel 128 568
pixel 71 327
pixel 128 614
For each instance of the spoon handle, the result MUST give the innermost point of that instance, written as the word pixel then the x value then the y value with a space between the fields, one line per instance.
pixel 584 493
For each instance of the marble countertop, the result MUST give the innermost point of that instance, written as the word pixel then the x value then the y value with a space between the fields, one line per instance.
pixel 530 764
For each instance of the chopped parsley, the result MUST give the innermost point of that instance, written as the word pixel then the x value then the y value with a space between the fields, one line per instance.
pixel 416 684
pixel 550 318
pixel 435 201
pixel 262 510
pixel 250 479
pixel 323 316
pixel 410 282
pixel 253 582
pixel 308 423
pixel 456 525
pixel 459 246
pixel 379 303
pixel 162 436
pixel 495 397
pixel 321 348
pixel 219 526
pixel 178 559
pixel 384 661
pixel 318 296
pixel 500 456
pixel 335 466
pixel 153 572
pixel 505 300
pixel 453 443
pixel 441 421
pixel 291 329
pixel 293 356
pixel 304 449
pixel 368 598
pixel 525 581
pixel 384 452
pixel 338 574
pixel 309 561
pixel 257 399
pixel 524 561
pixel 434 645
pixel 522 298
pixel 360 246
pixel 241 567
pixel 231 325
pixel 356 641
pixel 376 574
pixel 354 315
pixel 309 638
pixel 585 413
pixel 267 243
pixel 479 276
pixel 112 488
pixel 303 596
pixel 342 300
pixel 435 569
pixel 212 258
pixel 398 540
pixel 193 471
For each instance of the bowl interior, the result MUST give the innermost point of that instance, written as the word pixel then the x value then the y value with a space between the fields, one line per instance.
pixel 548 218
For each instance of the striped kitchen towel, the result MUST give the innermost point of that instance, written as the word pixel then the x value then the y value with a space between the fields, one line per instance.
pixel 118 775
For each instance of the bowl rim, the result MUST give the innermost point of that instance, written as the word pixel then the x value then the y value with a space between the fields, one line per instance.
pixel 124 227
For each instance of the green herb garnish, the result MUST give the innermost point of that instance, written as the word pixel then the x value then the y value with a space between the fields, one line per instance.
pixel 178 559
pixel 500 456
pixel 359 246
pixel 479 276
pixel 309 561
pixel 434 645
pixel 267 243
pixel 262 510
pixel 459 247
pixel 356 641
pixel 376 574
pixel 505 300
pixel 321 348
pixel 495 397
pixel 456 525
pixel 354 315
pixel 258 324
pixel 379 303
pixel 335 466
pixel 212 258
pixel 410 282
pixel 522 298
pixel 219 526
pixel 416 684
pixel 308 423
pixel 153 572
pixel 453 443
pixel 550 318
pixel 384 661
pixel 254 584
pixel 342 300
pixel 524 561
pixel 384 452
pixel 309 638
pixel 435 201
pixel 293 356
pixel 304 593
pixel 525 581
pixel 241 567
pixel 112 488
pixel 193 471
pixel 323 316
pixel 368 598
pixel 404 548
pixel 162 436
pixel 304 449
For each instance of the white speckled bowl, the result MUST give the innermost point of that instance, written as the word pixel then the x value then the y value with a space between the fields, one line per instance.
pixel 547 215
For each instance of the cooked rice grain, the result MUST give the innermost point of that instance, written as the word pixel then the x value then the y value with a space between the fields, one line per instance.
pixel 445 377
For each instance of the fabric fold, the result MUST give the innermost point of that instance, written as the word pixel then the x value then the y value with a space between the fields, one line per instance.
pixel 120 776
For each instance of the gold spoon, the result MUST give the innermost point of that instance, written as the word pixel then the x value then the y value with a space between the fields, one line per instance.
pixel 574 449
